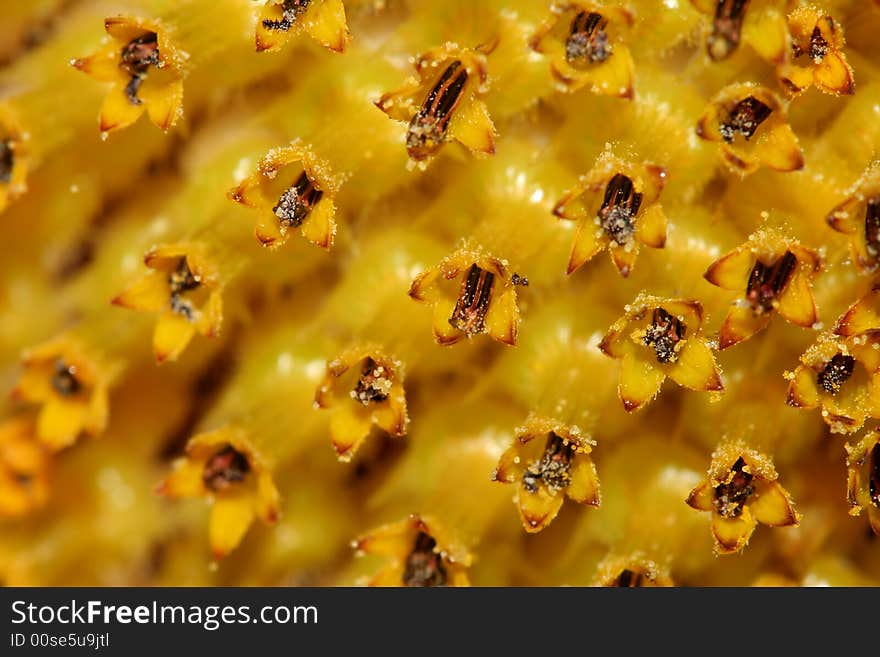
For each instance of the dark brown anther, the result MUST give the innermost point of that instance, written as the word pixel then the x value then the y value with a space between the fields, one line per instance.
pixel 619 209
pixel 730 497
pixel 836 372
pixel 818 45
pixel 588 41
pixel 373 385
pixel 554 467
pixel 297 201
pixel 64 381
pixel 424 566
pixel 767 282
pixel 663 334
pixel 726 28
pixel 874 475
pixel 470 310
pixel 137 57
pixel 182 279
pixel 744 119
pixel 290 11
pixel 427 130
pixel 179 281
pixel 872 225
pixel 629 579
pixel 7 160
pixel 225 468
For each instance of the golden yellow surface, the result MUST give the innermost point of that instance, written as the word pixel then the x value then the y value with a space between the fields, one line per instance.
pixel 440 292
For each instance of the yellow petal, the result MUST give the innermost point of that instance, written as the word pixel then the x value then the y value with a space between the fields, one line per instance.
pixel 319 227
pixel 624 257
pixel 795 78
pixel 772 506
pixel 695 367
pixel 651 227
pixel 778 148
pixel 212 315
pixel 538 509
pixel 614 77
pixel 392 416
pixel 123 28
pixel 103 65
pixel 616 342
pixel 268 231
pixel 472 127
pixel 732 534
pixel 740 161
pixel 444 332
pixel 802 389
pixel 588 241
pixel 265 38
pixel 740 324
pixel 861 317
pixel 502 318
pixel 231 517
pixel 98 412
pixel 149 293
pixel 689 311
pixel 796 302
pixel 268 498
pixel 35 383
pixel 731 271
pixel 834 75
pixel 702 498
pixel 392 540
pixel 584 485
pixel 117 111
pixel 164 104
pixel 639 382
pixel 349 427
pixel 509 468
pixel 847 217
pixel 172 335
pixel 324 21
pixel 60 422
pixel 389 576
pixel 185 479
